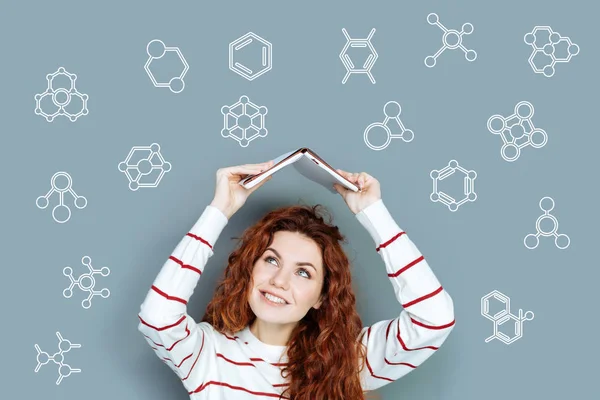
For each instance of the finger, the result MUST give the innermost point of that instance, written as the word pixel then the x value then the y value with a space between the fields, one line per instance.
pixel 249 169
pixel 251 190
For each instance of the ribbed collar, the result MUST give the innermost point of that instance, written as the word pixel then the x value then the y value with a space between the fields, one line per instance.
pixel 268 352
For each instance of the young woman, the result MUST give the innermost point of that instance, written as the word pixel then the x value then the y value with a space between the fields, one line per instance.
pixel 283 322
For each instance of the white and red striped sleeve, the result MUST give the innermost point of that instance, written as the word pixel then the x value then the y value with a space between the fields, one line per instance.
pixel 397 346
pixel 163 319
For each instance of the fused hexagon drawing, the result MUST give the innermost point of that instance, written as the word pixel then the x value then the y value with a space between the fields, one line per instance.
pixel 244 121
pixel 468 185
pixel 548 49
pixel 156 49
pixel 250 56
pixel 372 56
pixel 503 316
pixel 62 99
pixel 144 166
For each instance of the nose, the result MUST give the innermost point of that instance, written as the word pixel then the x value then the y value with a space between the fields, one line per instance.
pixel 281 279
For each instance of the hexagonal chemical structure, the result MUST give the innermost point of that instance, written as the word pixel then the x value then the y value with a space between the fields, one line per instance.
pixel 261 51
pixel 347 61
pixel 156 49
pixel 144 166
pixel 544 42
pixel 500 297
pixel 244 121
pixel 61 97
pixel 468 186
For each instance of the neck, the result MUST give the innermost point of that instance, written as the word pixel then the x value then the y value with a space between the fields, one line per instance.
pixel 272 334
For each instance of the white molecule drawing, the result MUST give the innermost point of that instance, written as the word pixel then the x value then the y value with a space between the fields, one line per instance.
pixel 452 39
pixel 517 131
pixel 468 189
pixel 548 48
pixel 392 111
pixel 247 44
pixel 86 282
pixel 503 316
pixel 156 49
pixel 244 121
pixel 532 240
pixel 62 98
pixel 369 62
pixel 66 186
pixel 144 166
pixel 64 346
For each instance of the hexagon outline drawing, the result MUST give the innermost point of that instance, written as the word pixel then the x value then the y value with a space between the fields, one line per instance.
pixel 175 84
pixel 368 64
pixel 244 113
pixel 137 171
pixel 65 93
pixel 548 49
pixel 444 198
pixel 86 282
pixel 79 201
pixel 512 140
pixel 392 111
pixel 504 316
pixel 466 29
pixel 64 346
pixel 266 56
pixel 533 238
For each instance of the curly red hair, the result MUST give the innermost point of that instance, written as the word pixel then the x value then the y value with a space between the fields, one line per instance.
pixel 321 365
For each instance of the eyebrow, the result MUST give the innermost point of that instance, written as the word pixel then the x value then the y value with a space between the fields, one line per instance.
pixel 298 263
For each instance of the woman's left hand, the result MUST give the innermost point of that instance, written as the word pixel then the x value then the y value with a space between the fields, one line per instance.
pixel 369 190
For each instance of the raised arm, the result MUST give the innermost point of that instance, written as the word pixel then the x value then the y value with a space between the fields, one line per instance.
pixel 175 337
pixel 397 346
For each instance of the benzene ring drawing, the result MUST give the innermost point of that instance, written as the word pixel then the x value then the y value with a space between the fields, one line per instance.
pixel 369 62
pixel 61 188
pixel 451 39
pixel 532 240
pixel 63 99
pixel 244 121
pixel 144 166
pixel 468 185
pixel 554 49
pixel 392 111
pixel 250 69
pixel 156 49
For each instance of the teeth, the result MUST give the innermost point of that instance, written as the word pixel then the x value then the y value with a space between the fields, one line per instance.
pixel 274 299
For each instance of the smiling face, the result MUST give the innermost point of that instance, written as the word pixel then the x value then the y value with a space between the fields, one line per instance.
pixel 291 268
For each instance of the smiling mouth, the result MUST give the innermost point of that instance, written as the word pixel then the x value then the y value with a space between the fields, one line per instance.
pixel 273 302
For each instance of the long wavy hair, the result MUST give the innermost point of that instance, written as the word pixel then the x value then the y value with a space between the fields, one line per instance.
pixel 321 364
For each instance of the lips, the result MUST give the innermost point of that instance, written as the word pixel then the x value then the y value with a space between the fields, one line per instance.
pixel 262 293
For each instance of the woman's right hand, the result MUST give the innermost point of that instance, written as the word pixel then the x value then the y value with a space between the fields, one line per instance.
pixel 230 196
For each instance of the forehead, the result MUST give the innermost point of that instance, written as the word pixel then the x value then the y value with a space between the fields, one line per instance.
pixel 295 247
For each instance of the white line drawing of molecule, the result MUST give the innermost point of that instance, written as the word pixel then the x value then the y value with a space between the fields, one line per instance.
pixel 244 121
pixel 503 316
pixel 452 39
pixel 532 240
pixel 517 131
pixel 144 166
pixel 392 111
pixel 547 51
pixel 64 346
pixel 86 282
pixel 442 197
pixel 368 64
pixel 79 201
pixel 61 97
pixel 156 49
pixel 266 57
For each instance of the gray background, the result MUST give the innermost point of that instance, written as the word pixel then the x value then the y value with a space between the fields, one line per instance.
pixel 473 251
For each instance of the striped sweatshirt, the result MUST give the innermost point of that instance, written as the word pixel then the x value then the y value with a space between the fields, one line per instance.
pixel 218 366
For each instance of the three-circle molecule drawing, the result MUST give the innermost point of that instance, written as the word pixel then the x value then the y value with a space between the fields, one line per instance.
pixel 156 49
pixel 244 121
pixel 258 60
pixel 86 282
pixel 144 166
pixel 517 131
pixel 392 111
pixel 503 316
pixel 369 62
pixel 468 189
pixel 451 39
pixel 64 346
pixel 532 240
pixel 548 48
pixel 61 212
pixel 65 98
